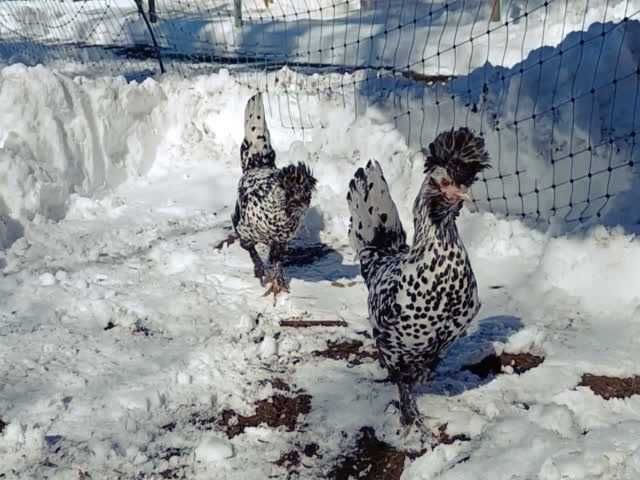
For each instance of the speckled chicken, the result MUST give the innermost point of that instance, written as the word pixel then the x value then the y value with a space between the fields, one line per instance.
pixel 423 297
pixel 272 201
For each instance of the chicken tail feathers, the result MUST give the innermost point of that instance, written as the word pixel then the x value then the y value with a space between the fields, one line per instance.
pixel 256 150
pixel 374 221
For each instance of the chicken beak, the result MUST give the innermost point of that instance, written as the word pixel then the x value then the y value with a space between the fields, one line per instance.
pixel 456 194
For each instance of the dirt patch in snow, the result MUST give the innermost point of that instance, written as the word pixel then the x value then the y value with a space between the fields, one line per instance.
pixel 443 438
pixel 312 450
pixel 276 411
pixel 373 459
pixel 611 387
pixel 279 384
pixel 289 460
pixel 293 459
pixel 350 350
pixel 177 473
pixel 494 364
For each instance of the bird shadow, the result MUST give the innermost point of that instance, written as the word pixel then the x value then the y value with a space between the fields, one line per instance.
pixel 308 258
pixel 452 376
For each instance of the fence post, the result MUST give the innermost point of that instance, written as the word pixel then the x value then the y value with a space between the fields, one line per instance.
pixel 495 10
pixel 151 34
pixel 237 12
pixel 153 16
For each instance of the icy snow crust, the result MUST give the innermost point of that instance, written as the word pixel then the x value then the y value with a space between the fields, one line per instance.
pixel 121 322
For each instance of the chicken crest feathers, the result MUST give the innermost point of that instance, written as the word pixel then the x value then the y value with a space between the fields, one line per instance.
pixel 461 152
pixel 298 183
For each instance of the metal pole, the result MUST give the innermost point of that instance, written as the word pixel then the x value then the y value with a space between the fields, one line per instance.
pixel 153 39
pixel 237 12
pixel 153 16
pixel 495 10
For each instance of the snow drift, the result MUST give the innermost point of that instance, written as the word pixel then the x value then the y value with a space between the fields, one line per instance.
pixel 65 137
pixel 60 136
pixel 142 332
pixel 563 147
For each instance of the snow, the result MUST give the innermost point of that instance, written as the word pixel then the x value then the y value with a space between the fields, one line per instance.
pixel 268 347
pixel 125 333
pixel 212 449
pixel 429 37
pixel 579 277
pixel 46 280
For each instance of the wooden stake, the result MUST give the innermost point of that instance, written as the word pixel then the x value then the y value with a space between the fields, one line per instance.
pixel 312 323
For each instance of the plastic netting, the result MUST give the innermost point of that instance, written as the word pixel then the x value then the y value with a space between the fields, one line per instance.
pixel 552 85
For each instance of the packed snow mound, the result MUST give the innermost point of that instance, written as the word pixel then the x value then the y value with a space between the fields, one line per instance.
pixel 580 269
pixel 559 127
pixel 60 136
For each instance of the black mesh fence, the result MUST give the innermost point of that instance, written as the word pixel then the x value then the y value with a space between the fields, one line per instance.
pixel 552 85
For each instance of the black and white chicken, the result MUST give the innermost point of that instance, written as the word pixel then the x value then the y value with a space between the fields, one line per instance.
pixel 272 201
pixel 423 297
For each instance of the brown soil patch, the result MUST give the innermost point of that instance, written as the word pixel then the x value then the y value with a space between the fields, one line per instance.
pixel 611 387
pixel 173 474
pixel 349 350
pixel 443 438
pixel 279 384
pixel 277 411
pixel 289 460
pixel 292 459
pixel 373 459
pixel 173 452
pixel 311 450
pixel 493 364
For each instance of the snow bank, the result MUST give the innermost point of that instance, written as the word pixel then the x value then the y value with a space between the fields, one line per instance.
pixel 597 273
pixel 60 136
